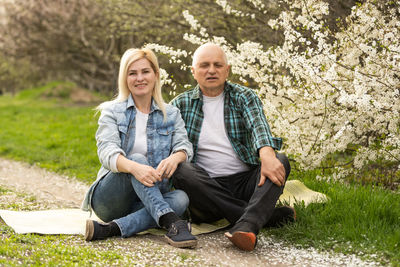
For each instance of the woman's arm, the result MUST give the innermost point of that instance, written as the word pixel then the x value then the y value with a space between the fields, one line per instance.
pixel 181 147
pixel 180 139
pixel 108 139
pixel 168 166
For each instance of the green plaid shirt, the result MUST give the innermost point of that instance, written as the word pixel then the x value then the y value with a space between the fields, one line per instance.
pixel 245 122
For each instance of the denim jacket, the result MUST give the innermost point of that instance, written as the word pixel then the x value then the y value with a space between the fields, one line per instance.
pixel 116 135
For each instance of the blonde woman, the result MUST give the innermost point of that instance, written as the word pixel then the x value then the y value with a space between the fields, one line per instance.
pixel 141 141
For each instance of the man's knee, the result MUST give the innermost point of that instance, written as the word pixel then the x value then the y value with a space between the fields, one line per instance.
pixel 182 173
pixel 188 175
pixel 285 161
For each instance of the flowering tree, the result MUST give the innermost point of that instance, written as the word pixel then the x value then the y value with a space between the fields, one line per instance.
pixel 323 91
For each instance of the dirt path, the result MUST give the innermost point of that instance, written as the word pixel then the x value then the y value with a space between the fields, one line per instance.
pixel 214 249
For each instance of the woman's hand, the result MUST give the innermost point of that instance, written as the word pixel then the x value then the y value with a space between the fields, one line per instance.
pixel 168 166
pixel 147 175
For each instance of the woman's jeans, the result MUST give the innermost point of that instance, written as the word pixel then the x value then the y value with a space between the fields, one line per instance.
pixel 132 205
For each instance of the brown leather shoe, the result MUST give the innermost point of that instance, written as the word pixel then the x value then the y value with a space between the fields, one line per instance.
pixel 243 240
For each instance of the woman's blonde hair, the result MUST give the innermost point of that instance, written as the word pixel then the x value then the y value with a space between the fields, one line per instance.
pixel 131 55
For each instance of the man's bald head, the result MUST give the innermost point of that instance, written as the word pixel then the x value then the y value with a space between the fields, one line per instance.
pixel 206 47
pixel 210 69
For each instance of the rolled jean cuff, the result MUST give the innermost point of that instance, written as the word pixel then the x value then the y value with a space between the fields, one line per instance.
pixel 121 229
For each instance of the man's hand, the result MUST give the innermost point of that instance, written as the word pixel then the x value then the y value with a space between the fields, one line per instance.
pixel 271 167
pixel 168 166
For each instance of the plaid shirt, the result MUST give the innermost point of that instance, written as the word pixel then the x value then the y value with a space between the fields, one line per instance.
pixel 245 122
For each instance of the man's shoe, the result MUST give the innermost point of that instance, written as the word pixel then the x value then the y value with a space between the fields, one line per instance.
pixel 281 216
pixel 243 236
pixel 243 240
pixel 97 231
pixel 179 235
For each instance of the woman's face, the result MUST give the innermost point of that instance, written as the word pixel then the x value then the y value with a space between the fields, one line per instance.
pixel 141 78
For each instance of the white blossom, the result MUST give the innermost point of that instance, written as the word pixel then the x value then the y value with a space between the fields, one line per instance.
pixel 338 89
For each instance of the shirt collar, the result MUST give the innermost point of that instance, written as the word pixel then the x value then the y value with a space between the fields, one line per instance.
pixel 198 95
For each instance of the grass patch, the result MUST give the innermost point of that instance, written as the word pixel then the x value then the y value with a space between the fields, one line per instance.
pixel 360 220
pixel 47 133
pixel 36 250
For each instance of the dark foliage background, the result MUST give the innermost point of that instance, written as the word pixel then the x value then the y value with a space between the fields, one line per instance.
pixel 82 40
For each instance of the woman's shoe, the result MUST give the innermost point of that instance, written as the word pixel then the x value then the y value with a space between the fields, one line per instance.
pixel 179 235
pixel 98 231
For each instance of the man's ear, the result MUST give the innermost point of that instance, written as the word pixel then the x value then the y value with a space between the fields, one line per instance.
pixel 228 70
pixel 192 69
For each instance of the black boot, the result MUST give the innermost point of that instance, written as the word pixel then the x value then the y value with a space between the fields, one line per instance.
pixel 281 216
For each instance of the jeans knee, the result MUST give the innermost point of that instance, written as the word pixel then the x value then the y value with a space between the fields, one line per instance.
pixel 180 202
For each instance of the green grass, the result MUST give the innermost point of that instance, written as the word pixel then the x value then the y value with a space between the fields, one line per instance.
pixel 36 250
pixel 57 134
pixel 361 220
pixel 53 134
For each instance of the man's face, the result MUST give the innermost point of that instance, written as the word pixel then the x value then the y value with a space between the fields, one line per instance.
pixel 210 70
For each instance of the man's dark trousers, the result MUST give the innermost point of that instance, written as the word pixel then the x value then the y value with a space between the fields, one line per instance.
pixel 234 197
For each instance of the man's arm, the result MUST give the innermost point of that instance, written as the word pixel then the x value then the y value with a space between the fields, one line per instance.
pixel 263 141
pixel 256 123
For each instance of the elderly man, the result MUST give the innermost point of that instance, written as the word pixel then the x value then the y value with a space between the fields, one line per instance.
pixel 235 173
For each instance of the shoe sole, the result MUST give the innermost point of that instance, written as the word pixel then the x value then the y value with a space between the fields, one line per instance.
pixel 89 230
pixel 181 244
pixel 243 240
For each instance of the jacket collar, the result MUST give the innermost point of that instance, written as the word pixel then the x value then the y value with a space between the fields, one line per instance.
pixel 131 103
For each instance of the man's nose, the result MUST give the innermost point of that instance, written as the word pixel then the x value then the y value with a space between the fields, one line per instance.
pixel 211 69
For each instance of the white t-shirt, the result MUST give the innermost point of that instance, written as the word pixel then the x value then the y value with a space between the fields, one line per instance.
pixel 215 153
pixel 140 145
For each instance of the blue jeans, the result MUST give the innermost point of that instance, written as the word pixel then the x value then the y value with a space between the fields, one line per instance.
pixel 119 197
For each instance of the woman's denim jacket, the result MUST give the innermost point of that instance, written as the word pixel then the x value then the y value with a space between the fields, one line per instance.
pixel 116 134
